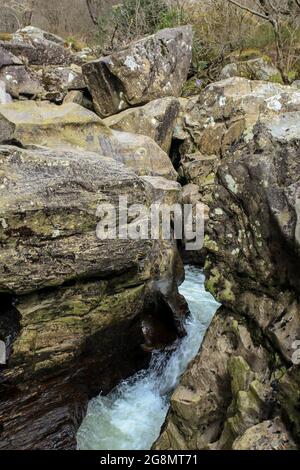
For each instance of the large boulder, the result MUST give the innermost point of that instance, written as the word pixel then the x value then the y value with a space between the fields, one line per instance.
pixel 59 192
pixel 247 371
pixel 36 47
pixel 156 120
pixel 153 67
pixel 20 80
pixel 71 125
pixel 74 305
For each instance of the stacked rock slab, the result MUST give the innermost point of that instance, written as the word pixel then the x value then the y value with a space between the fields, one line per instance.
pixel 72 126
pixel 220 118
pixel 156 120
pixel 244 384
pixel 35 64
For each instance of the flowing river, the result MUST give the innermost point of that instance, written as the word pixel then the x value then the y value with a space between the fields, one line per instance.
pixel 131 416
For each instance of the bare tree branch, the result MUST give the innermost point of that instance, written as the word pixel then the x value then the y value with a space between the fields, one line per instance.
pixel 250 10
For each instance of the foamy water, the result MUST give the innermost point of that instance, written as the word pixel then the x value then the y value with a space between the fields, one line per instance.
pixel 131 416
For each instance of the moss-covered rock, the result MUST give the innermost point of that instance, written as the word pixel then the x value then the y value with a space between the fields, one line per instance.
pixel 74 304
pixel 72 126
pixel 268 435
pixel 253 68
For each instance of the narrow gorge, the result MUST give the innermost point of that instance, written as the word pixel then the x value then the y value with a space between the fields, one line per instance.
pixel 133 343
pixel 132 415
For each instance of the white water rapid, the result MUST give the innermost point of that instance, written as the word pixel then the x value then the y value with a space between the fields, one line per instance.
pixel 131 416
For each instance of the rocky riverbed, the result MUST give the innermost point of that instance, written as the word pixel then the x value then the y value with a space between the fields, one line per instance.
pixel 80 314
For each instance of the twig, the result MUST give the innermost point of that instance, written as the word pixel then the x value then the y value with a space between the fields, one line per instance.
pixel 250 10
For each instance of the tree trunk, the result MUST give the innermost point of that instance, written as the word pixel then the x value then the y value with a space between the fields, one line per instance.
pixel 91 13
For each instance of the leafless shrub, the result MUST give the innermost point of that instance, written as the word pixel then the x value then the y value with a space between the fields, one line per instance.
pixel 218 32
pixel 284 17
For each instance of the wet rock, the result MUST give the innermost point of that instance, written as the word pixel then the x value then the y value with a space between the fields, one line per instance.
pixel 71 125
pixel 151 68
pixel 55 326
pixel 156 120
pixel 37 35
pixel 271 222
pixel 58 81
pixel 18 411
pixel 36 64
pixel 214 124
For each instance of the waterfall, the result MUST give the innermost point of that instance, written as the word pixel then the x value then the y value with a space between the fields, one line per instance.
pixel 131 416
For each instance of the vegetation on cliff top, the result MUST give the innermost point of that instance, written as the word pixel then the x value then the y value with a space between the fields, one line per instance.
pixel 221 27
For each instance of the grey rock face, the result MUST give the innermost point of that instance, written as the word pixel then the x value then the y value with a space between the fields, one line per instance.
pixel 156 120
